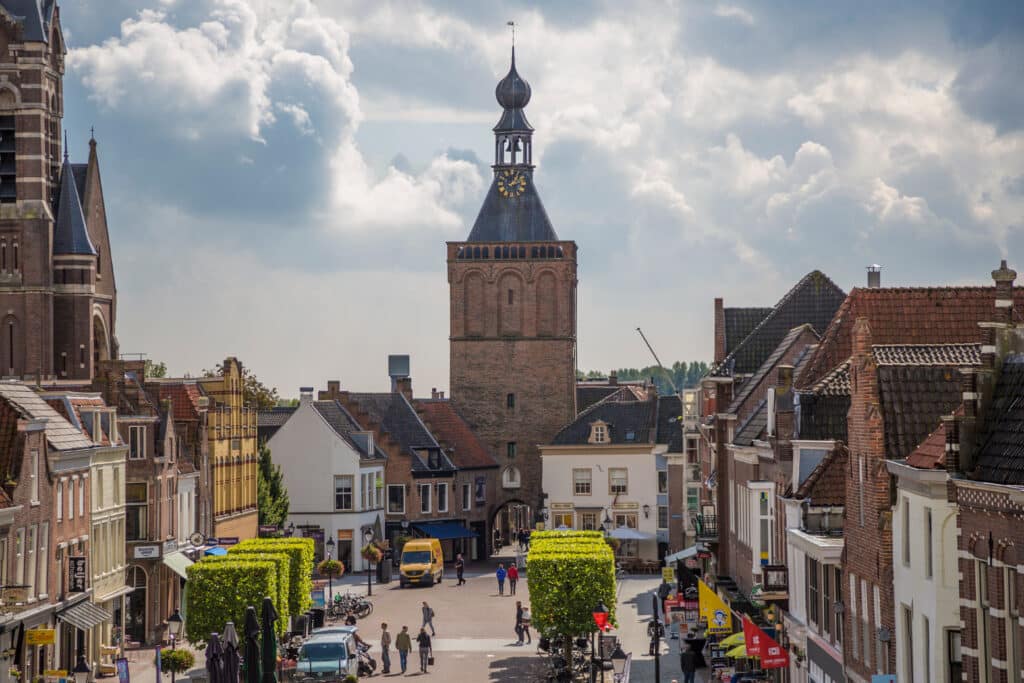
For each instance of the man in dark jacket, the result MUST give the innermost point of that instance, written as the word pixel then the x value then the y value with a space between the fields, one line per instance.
pixel 460 567
pixel 688 663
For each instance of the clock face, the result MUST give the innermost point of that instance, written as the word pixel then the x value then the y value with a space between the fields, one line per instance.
pixel 511 183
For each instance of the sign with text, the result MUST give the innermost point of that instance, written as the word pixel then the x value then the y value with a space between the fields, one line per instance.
pixel 123 675
pixel 668 574
pixel 146 552
pixel 268 530
pixel 78 579
pixel 759 644
pixel 40 636
pixel 228 540
pixel 714 610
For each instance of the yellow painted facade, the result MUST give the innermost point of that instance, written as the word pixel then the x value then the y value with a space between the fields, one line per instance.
pixel 231 435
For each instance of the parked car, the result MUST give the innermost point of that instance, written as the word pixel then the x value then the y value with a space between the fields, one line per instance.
pixel 328 654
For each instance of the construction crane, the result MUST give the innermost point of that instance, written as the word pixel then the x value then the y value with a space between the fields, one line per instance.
pixel 658 361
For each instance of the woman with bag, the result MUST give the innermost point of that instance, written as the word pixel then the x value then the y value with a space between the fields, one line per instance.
pixel 426 651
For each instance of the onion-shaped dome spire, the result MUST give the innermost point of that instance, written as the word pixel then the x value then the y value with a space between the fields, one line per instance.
pixel 513 92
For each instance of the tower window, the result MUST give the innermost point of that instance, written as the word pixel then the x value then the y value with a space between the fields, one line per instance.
pixel 510 401
pixel 81 355
pixel 511 297
pixel 510 449
pixel 10 346
pixel 64 363
pixel 99 261
pixel 3 256
pixel 15 256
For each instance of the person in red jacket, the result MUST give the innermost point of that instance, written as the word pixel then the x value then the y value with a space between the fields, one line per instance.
pixel 513 577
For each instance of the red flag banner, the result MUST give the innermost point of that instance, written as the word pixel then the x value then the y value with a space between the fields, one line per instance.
pixel 759 644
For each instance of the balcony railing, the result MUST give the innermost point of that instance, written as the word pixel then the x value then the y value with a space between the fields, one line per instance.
pixel 706 526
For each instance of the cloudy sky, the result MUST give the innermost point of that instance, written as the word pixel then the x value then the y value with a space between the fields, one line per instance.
pixel 281 176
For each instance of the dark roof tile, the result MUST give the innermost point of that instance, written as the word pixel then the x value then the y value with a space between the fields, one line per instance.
pixel 1001 456
pixel 740 322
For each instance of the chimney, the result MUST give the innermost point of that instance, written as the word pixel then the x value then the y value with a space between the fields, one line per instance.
pixel 433 393
pixel 403 385
pixel 719 331
pixel 785 381
pixel 306 395
pixel 1004 278
pixel 874 276
pixel 613 378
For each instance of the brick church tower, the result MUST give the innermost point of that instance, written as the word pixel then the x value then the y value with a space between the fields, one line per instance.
pixel 513 314
pixel 57 294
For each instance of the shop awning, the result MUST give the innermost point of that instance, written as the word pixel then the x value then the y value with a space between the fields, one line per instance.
pixel 685 554
pixel 178 563
pixel 84 616
pixel 445 530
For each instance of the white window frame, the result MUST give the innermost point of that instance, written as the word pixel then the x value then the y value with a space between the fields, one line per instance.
pixel 81 496
pixel 611 487
pixel 425 500
pixel 44 565
pixel 137 436
pixel 444 486
pixel 60 499
pixel 34 474
pixel 388 502
pixel 351 492
pixel 71 498
pixel 576 491
pixel 19 556
pixel 31 564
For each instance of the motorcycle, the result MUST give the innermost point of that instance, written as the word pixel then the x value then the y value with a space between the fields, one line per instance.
pixel 366 664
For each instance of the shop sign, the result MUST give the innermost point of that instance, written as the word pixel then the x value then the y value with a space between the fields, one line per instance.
pixel 668 574
pixel 56 673
pixel 123 676
pixel 40 636
pixel 228 540
pixel 268 530
pixel 77 576
pixel 12 595
pixel 147 552
pixel 170 546
pixel 317 596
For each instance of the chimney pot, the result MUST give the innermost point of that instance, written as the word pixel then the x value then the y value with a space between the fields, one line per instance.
pixel 305 395
pixel 874 276
pixel 613 378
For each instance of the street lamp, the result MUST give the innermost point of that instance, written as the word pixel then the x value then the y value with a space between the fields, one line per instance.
pixel 330 576
pixel 368 537
pixel 607 524
pixel 290 530
pixel 618 658
pixel 600 615
pixel 81 670
pixel 174 623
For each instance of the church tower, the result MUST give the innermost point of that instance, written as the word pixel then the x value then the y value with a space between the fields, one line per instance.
pixel 513 313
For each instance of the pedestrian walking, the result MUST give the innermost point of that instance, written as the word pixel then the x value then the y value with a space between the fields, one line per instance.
pixel 385 648
pixel 497 541
pixel 428 618
pixel 513 578
pixel 688 665
pixel 501 574
pixel 460 567
pixel 522 623
pixel 423 640
pixel 403 643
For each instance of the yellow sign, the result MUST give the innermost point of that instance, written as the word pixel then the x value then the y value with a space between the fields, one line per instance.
pixel 714 610
pixel 56 673
pixel 40 636
pixel 668 574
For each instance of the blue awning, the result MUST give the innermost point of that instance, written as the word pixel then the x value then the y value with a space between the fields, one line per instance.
pixel 444 530
pixel 216 551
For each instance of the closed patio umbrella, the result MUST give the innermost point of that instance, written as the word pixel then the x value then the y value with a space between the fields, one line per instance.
pixel 269 642
pixel 252 646
pixel 215 660
pixel 733 640
pixel 230 640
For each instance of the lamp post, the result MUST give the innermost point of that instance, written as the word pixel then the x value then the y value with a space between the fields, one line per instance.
pixel 174 623
pixel 82 670
pixel 330 577
pixel 368 537
pixel 600 615
pixel 618 662
pixel 607 524
pixel 290 531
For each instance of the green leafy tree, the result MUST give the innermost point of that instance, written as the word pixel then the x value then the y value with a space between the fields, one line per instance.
pixel 300 554
pixel 155 369
pixel 272 496
pixel 176 661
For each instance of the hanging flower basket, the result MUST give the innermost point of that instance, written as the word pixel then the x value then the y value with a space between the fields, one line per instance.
pixel 372 553
pixel 330 568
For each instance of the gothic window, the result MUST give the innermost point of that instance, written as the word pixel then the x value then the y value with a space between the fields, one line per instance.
pixel 546 305
pixel 510 318
pixel 99 260
pixel 474 304
pixel 510 401
pixel 15 248
pixel 3 256
pixel 511 297
pixel 12 354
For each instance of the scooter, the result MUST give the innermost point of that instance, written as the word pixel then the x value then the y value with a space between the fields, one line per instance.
pixel 366 664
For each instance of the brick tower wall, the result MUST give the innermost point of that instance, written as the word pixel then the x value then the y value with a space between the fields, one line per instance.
pixel 513 331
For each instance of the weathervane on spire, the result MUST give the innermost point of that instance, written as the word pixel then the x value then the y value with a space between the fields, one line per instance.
pixel 512 24
pixel 65 145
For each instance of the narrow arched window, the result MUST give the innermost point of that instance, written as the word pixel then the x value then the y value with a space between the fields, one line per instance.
pixel 15 247
pixel 511 297
pixel 99 260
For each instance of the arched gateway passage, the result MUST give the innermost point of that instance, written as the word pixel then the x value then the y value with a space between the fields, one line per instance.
pixel 508 519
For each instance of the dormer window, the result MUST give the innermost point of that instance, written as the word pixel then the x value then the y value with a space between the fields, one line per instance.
pixel 598 432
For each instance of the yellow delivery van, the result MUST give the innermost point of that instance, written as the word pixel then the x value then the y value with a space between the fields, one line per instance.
pixel 422 562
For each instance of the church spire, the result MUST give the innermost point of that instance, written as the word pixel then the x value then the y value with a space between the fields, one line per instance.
pixel 70 235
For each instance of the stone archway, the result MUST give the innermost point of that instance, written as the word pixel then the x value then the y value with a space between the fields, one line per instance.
pixel 134 627
pixel 513 514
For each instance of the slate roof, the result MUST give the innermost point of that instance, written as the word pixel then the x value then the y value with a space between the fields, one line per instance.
pixel 343 424
pixel 787 343
pixel 913 398
pixel 399 420
pixel 60 434
pixel 670 428
pixel 274 417
pixel 826 484
pixel 931 453
pixel 512 219
pixel 740 322
pixel 454 434
pixel 70 236
pixel 1001 456
pixel 80 172
pixel 588 393
pixel 72 405
pixel 754 425
pixel 814 300
pixel 629 422
pixel 34 16
pixel 927 354
pixel 905 315
pixel 822 416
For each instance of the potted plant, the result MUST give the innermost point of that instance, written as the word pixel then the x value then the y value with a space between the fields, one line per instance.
pixel 176 661
pixel 329 567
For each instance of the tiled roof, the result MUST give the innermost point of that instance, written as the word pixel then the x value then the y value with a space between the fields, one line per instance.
pixel 826 484
pixel 70 236
pixel 1001 456
pixel 913 398
pixel 512 219
pixel 754 425
pixel 274 417
pixel 628 422
pixel 589 392
pixel 33 15
pixel 931 453
pixel 184 398
pixel 60 434
pixel 814 300
pixel 905 315
pixel 805 331
pixel 71 406
pixel 823 416
pixel 459 441
pixel 927 354
pixel 670 428
pixel 344 425
pixel 399 420
pixel 836 382
pixel 740 322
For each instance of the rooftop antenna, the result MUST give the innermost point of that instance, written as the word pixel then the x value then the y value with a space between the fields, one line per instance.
pixel 658 361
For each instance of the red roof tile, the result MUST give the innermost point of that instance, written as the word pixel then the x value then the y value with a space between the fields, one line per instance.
pixel 931 454
pixel 184 398
pixel 826 484
pixel 452 432
pixel 905 315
